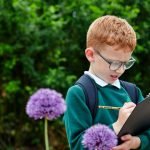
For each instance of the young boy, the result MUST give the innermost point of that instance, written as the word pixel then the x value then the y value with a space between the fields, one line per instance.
pixel 110 43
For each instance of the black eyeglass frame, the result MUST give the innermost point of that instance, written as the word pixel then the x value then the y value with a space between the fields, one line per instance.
pixel 119 63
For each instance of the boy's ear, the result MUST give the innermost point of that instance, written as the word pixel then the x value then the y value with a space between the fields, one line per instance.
pixel 89 53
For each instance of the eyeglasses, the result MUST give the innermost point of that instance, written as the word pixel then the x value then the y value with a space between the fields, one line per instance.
pixel 115 65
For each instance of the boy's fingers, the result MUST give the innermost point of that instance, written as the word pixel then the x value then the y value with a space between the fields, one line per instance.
pixel 129 104
pixel 126 137
pixel 127 110
pixel 130 109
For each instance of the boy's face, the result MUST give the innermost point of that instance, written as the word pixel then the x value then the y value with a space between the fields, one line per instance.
pixel 108 63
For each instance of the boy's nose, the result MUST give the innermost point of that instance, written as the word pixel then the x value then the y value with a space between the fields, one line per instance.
pixel 121 69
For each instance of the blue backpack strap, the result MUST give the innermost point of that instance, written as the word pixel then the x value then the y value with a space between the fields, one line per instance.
pixel 131 90
pixel 91 93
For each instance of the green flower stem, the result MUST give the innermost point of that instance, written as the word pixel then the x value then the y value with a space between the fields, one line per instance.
pixel 46 134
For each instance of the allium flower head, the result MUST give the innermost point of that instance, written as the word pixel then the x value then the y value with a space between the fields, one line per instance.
pixel 99 137
pixel 45 103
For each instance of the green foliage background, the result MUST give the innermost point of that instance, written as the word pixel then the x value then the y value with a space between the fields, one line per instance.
pixel 42 44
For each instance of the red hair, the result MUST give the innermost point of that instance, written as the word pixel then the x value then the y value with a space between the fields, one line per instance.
pixel 111 30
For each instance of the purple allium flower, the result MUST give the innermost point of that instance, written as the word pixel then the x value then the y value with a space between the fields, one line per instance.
pixel 45 103
pixel 99 137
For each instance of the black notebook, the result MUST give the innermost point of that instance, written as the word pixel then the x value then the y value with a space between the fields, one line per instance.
pixel 138 121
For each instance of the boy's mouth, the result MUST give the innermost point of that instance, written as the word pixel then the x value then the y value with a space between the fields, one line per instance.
pixel 114 77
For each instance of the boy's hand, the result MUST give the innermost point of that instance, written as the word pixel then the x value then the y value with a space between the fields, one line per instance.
pixel 129 142
pixel 124 113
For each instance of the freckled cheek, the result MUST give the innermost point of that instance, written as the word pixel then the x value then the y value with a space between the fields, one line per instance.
pixel 104 72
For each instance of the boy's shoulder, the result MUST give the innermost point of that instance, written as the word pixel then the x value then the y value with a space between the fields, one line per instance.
pixel 131 89
pixel 75 91
pixel 75 88
pixel 123 82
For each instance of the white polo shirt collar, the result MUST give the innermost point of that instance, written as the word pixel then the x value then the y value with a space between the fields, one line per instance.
pixel 101 82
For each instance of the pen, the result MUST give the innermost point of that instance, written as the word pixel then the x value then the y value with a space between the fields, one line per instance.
pixel 109 107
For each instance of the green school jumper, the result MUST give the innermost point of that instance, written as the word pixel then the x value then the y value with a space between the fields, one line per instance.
pixel 78 117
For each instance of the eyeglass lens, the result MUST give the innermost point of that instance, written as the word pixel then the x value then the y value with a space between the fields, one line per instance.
pixel 117 65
